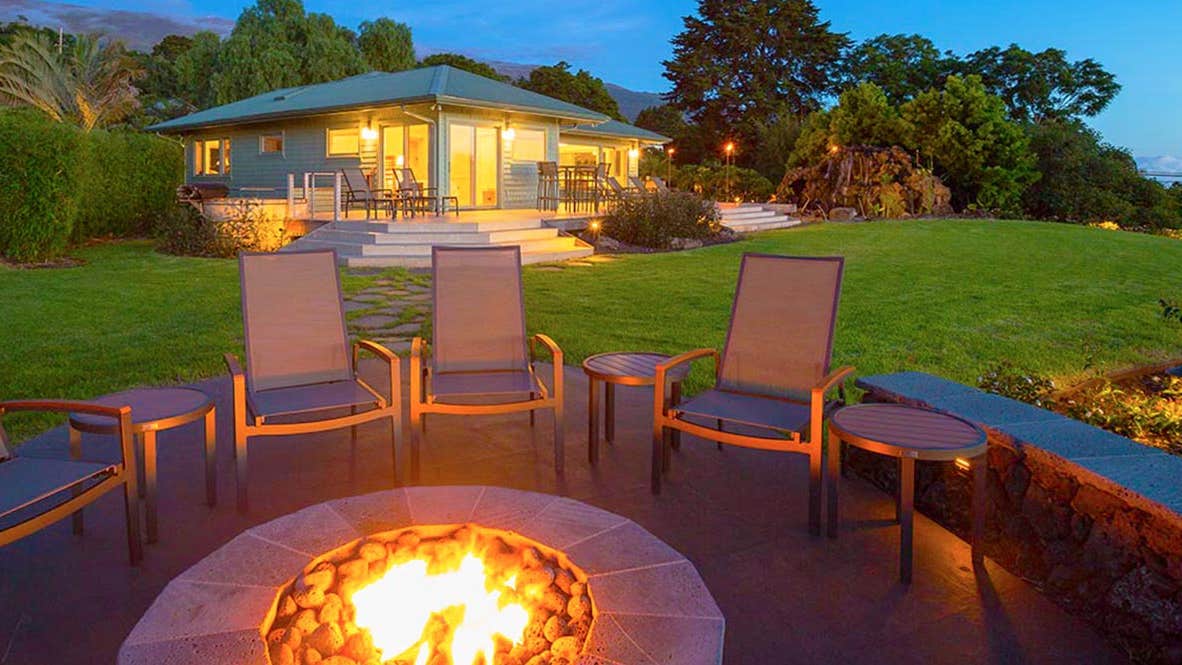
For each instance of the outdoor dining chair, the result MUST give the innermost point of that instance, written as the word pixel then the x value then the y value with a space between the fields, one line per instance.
pixel 36 492
pixel 480 352
pixel 358 191
pixel 417 198
pixel 300 373
pixel 772 378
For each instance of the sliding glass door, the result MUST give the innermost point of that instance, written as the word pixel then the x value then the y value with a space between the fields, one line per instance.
pixel 474 164
pixel 407 147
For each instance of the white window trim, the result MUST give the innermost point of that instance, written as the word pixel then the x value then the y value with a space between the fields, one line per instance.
pixel 282 135
pixel 328 143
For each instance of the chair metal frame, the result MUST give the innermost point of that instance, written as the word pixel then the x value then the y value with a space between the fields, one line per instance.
pixel 368 196
pixel 423 401
pixel 667 416
pixel 123 473
pixel 248 423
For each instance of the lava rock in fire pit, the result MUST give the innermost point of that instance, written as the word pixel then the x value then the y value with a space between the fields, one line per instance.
pixel 316 622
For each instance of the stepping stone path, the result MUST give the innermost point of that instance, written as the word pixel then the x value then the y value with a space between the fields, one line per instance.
pixel 389 311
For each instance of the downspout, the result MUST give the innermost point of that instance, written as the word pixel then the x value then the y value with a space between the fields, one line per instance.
pixel 437 157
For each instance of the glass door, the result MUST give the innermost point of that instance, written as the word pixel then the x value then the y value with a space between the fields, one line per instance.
pixel 406 147
pixel 474 158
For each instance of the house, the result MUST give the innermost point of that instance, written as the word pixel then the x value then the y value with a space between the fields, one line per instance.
pixel 474 138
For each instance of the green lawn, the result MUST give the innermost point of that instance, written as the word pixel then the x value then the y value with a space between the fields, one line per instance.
pixel 947 297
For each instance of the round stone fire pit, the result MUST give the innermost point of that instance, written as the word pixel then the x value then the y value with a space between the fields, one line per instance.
pixel 600 589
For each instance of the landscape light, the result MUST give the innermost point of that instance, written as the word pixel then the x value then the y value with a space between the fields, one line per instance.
pixel 729 147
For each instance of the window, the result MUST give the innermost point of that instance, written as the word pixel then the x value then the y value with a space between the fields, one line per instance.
pixel 571 154
pixel 271 143
pixel 344 142
pixel 211 157
pixel 529 145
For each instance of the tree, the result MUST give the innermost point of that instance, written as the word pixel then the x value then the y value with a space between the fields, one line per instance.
pixel 465 63
pixel 90 84
pixel 386 45
pixel 579 88
pixel 862 117
pixel 195 71
pixel 982 155
pixel 1043 86
pixel 663 119
pixel 739 66
pixel 276 44
pixel 901 65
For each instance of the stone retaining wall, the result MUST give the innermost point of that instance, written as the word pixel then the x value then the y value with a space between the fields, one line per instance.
pixel 1093 519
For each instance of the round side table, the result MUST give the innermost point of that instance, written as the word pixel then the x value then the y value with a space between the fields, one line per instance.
pixel 625 369
pixel 153 410
pixel 909 434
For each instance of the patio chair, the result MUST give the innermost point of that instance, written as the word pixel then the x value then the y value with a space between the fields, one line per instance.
pixel 480 352
pixel 773 376
pixel 640 185
pixel 357 191
pixel 417 198
pixel 36 492
pixel 659 184
pixel 299 370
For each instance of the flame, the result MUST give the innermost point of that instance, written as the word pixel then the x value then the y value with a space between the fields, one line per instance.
pixel 400 606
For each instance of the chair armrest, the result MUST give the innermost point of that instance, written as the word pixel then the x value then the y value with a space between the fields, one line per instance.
pixel 550 344
pixel 393 365
pixel 418 352
pixel 663 368
pixel 120 414
pixel 835 378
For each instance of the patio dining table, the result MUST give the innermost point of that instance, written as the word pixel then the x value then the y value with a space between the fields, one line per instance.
pixel 580 187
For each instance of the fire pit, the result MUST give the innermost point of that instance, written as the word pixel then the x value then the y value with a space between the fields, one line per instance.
pixel 436 576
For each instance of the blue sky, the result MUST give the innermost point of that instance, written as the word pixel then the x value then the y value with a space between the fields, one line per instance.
pixel 624 42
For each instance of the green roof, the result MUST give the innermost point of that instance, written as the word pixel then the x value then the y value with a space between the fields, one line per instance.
pixel 441 84
pixel 615 128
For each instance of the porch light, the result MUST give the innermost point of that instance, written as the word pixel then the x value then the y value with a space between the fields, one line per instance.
pixel 633 153
pixel 400 161
pixel 509 134
pixel 369 134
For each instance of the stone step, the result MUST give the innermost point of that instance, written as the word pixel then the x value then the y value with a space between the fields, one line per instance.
pixel 527 257
pixel 414 226
pixel 782 222
pixel 750 214
pixel 468 237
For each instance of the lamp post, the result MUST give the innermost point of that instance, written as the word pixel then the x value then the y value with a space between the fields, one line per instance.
pixel 669 170
pixel 729 149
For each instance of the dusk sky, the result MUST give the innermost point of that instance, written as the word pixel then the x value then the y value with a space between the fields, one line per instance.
pixel 624 42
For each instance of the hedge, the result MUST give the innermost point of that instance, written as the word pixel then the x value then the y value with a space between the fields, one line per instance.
pixel 59 184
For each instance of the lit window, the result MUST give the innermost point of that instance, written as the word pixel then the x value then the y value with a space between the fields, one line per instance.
pixel 211 157
pixel 271 143
pixel 529 145
pixel 344 142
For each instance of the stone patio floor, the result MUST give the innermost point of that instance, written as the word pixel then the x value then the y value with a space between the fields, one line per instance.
pixel 738 515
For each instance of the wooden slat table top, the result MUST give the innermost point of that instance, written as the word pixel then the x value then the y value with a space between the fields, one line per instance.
pixel 631 368
pixel 908 431
pixel 151 409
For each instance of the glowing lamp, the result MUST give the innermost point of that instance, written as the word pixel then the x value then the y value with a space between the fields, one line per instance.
pixel 670 151
pixel 369 134
pixel 594 225
pixel 633 153
pixel 509 134
pixel 963 464
pixel 833 149
pixel 729 147
pixel 400 161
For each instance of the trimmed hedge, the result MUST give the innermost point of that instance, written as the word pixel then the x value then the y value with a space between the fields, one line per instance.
pixel 59 184
pixel 40 162
pixel 655 220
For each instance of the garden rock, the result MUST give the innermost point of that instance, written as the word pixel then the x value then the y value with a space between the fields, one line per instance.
pixel 843 214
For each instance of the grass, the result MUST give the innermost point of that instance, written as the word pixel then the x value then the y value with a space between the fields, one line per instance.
pixel 946 297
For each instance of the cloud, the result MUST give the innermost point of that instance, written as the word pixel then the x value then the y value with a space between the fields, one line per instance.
pixel 138 29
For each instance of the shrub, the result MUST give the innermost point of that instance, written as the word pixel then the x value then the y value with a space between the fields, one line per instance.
pixel 1150 412
pixel 129 181
pixel 184 231
pixel 1005 379
pixel 655 220
pixel 724 183
pixel 59 184
pixel 40 163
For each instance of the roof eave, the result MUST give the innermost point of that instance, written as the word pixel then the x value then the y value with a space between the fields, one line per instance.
pixel 590 116
pixel 165 128
pixel 656 139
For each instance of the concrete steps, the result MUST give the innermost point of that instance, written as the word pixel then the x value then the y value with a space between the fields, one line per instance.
pixel 752 217
pixel 408 244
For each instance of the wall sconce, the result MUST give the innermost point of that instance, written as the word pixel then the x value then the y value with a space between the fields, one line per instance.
pixel 400 161
pixel 369 134
pixel 633 153
pixel 508 135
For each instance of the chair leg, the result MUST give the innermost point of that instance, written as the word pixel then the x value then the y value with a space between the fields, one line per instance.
pixel 657 461
pixel 241 469
pixel 76 453
pixel 131 513
pixel 532 417
pixel 211 437
pixel 815 488
pixel 418 430
pixel 832 481
pixel 719 443
pixel 559 438
pixel 152 493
